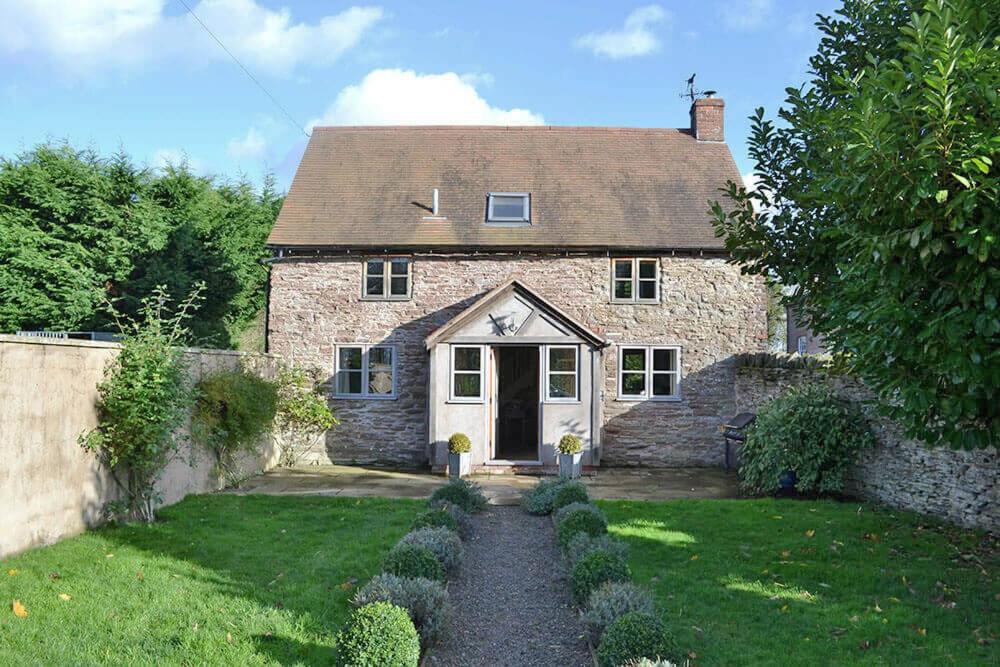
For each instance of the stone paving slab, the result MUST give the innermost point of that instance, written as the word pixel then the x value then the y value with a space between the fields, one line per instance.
pixel 501 489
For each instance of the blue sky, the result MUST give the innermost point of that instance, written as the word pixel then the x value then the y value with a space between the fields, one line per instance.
pixel 141 74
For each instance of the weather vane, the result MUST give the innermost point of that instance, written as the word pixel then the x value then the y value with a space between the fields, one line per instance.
pixel 693 94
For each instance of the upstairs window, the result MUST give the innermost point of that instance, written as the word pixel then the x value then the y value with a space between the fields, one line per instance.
pixel 511 207
pixel 635 280
pixel 387 278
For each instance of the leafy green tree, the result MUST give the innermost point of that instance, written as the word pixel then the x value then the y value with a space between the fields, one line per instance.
pixel 76 229
pixel 878 199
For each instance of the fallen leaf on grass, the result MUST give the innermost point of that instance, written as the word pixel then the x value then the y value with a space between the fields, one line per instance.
pixel 19 609
pixel 12 572
pixel 872 537
pixel 694 557
pixel 65 597
pixel 786 554
pixel 229 637
pixel 784 608
pixel 349 584
pixel 922 632
pixel 54 575
pixel 109 556
pixel 837 632
pixel 140 576
pixel 810 532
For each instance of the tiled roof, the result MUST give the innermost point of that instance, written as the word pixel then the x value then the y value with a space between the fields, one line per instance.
pixel 591 187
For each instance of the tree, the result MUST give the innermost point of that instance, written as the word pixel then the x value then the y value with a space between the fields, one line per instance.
pixel 76 229
pixel 878 199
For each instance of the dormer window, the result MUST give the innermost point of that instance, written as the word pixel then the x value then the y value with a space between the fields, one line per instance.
pixel 509 207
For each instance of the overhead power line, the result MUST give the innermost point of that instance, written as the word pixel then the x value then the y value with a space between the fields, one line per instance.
pixel 236 60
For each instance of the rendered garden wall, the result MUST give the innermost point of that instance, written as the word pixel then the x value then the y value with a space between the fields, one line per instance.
pixel 50 488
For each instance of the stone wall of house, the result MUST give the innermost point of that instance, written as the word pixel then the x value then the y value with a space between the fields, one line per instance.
pixel 960 486
pixel 50 488
pixel 707 307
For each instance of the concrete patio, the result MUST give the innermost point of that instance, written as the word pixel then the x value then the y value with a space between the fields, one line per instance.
pixel 500 488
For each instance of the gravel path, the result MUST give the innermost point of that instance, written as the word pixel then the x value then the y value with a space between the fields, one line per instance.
pixel 511 599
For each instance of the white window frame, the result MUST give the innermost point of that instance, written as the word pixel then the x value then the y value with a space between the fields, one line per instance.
pixel 636 279
pixel 365 371
pixel 648 372
pixel 548 398
pixel 524 219
pixel 387 294
pixel 452 398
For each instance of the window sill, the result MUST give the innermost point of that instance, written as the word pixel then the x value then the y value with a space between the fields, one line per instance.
pixel 562 401
pixel 644 399
pixel 387 298
pixel 508 223
pixel 465 401
pixel 645 302
pixel 361 397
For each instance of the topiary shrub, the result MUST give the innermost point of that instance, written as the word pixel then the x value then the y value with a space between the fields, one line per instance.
pixel 463 493
pixel 459 443
pixel 635 636
pixel 539 499
pixel 379 634
pixel 435 518
pixel 570 444
pixel 461 517
pixel 593 570
pixel 566 510
pixel 411 560
pixel 424 600
pixel 570 492
pixel 612 600
pixel 444 543
pixel 580 521
pixel 809 430
pixel 582 544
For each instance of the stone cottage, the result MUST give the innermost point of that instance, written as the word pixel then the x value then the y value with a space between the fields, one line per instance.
pixel 515 284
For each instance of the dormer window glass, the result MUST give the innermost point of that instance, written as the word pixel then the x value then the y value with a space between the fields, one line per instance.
pixel 509 207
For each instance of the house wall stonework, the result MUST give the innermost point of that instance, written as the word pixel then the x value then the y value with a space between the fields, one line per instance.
pixel 707 307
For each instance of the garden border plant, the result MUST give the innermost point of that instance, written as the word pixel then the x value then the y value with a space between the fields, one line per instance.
pixel 619 615
pixel 414 574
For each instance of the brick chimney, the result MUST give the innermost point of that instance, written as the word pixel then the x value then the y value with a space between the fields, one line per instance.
pixel 707 119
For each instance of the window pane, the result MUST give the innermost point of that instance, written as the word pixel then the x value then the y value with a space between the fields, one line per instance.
pixel 664 384
pixel 380 370
pixel 375 267
pixel 375 286
pixel 634 359
pixel 350 358
pixel 623 268
pixel 647 268
pixel 647 289
pixel 400 267
pixel 623 289
pixel 508 207
pixel 467 359
pixel 562 359
pixel 398 286
pixel 349 382
pixel 664 360
pixel 467 385
pixel 562 386
pixel 633 384
pixel 380 382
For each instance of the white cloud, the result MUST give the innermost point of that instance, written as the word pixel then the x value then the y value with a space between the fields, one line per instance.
pixel 635 38
pixel 403 97
pixel 84 35
pixel 250 147
pixel 745 15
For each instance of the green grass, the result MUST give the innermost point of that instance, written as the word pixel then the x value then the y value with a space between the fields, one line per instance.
pixel 753 582
pixel 220 579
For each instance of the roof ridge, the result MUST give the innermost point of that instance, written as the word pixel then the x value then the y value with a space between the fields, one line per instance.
pixel 556 128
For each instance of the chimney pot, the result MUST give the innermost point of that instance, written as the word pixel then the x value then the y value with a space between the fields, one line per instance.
pixel 707 119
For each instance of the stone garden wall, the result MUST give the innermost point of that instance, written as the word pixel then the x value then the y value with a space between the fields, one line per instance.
pixel 50 488
pixel 962 487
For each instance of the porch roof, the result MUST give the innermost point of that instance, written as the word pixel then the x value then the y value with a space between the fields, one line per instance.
pixel 502 291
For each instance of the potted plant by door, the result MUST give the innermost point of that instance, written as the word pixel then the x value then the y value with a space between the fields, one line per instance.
pixel 459 459
pixel 570 455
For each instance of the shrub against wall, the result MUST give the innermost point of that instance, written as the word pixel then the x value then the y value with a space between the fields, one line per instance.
pixel 143 400
pixel 233 409
pixel 302 416
pixel 810 430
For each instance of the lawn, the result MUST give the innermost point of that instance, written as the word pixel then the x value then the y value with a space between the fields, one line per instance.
pixel 814 583
pixel 221 579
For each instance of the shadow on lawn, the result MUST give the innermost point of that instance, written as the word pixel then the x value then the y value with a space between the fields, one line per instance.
pixel 297 560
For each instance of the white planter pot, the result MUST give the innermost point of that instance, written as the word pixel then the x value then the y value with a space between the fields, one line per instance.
pixel 459 465
pixel 570 465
